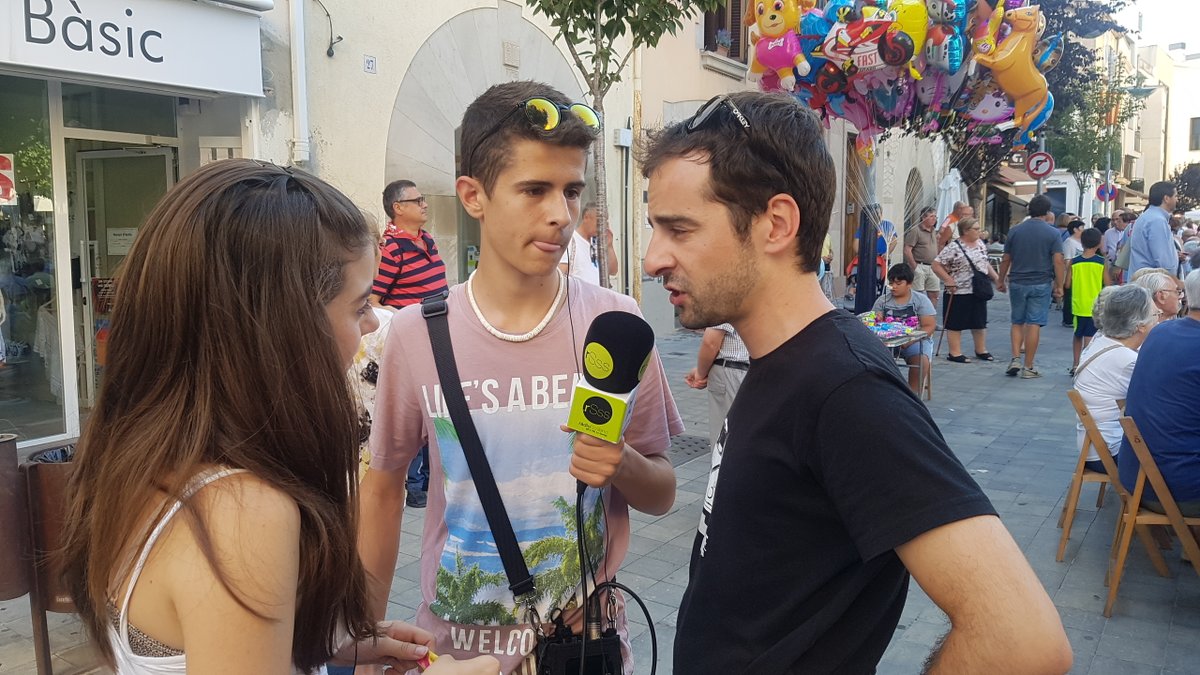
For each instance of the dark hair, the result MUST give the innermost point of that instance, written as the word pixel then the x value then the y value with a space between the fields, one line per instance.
pixel 1090 238
pixel 391 194
pixel 926 211
pixel 1128 216
pixel 220 302
pixel 1161 190
pixel 900 272
pixel 1074 225
pixel 1102 224
pixel 1039 206
pixel 491 154
pixel 783 153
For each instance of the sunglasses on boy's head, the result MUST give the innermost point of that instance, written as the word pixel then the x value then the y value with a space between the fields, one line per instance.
pixel 543 114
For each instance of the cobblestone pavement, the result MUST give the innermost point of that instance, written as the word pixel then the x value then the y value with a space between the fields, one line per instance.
pixel 1017 439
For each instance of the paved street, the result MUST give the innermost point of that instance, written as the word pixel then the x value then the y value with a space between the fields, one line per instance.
pixel 1017 439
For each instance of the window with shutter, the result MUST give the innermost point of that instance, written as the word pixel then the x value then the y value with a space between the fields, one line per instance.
pixel 729 18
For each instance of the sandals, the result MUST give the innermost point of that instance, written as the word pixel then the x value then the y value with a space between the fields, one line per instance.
pixel 961 358
pixel 986 356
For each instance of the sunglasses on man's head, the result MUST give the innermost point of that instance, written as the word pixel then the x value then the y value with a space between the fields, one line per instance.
pixel 707 114
pixel 543 114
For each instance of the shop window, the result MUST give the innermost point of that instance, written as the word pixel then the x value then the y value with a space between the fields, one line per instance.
pixel 727 18
pixel 87 107
pixel 31 358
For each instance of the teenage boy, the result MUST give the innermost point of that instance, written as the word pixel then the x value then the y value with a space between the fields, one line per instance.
pixel 1085 279
pixel 518 329
pixel 831 482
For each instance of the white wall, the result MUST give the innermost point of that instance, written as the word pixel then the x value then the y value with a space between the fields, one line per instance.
pixel 431 59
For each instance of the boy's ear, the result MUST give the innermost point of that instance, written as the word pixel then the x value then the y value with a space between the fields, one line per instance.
pixel 472 196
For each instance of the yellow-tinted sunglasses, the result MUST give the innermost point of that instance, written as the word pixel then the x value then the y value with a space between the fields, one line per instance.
pixel 543 114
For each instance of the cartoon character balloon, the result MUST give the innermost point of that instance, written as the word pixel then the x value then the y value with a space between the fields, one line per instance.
pixel 944 47
pixel 777 47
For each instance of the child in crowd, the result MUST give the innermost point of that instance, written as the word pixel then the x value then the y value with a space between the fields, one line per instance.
pixel 1085 278
pixel 901 303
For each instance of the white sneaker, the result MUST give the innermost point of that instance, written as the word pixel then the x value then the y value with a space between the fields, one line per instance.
pixel 1014 367
pixel 1029 373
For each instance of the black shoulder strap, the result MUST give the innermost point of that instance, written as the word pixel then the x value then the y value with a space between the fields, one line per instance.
pixel 968 257
pixel 520 581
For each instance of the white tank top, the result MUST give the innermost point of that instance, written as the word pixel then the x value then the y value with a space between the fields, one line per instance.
pixel 129 663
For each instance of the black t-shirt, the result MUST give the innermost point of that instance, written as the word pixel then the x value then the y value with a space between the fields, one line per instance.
pixel 828 462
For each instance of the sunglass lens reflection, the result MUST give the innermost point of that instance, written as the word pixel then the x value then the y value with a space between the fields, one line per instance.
pixel 542 113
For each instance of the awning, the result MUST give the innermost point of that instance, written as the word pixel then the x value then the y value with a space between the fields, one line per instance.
pixel 1013 181
pixel 1133 193
pixel 1010 192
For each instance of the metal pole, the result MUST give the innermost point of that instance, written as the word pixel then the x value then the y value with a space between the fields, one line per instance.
pixel 1108 180
pixel 1041 148
pixel 639 209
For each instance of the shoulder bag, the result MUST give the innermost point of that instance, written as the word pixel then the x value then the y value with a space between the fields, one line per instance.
pixel 981 283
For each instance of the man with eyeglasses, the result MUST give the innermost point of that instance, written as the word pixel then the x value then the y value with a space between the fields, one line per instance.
pixel 830 482
pixel 517 328
pixel 1165 288
pixel 410 269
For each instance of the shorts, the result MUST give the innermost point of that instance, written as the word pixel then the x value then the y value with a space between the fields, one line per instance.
pixel 921 348
pixel 1085 326
pixel 1030 303
pixel 963 311
pixel 925 280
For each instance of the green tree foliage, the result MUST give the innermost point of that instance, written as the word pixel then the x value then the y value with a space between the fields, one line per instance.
pixel 1068 82
pixel 1087 136
pixel 601 36
pixel 1186 178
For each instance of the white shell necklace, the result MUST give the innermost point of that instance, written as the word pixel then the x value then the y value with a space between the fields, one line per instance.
pixel 523 337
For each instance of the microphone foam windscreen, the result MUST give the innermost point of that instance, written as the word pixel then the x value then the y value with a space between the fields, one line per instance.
pixel 616 351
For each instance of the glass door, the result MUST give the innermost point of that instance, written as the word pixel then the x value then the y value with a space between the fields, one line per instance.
pixel 116 191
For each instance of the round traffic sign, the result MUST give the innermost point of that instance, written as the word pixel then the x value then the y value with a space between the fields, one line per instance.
pixel 1106 192
pixel 1039 164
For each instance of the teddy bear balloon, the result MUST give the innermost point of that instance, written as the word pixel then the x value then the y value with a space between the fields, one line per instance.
pixel 776 45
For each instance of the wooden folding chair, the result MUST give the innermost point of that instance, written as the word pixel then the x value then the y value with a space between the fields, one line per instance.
pixel 1134 516
pixel 1092 438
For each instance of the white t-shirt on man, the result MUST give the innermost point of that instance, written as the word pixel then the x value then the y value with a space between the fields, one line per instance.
pixel 580 261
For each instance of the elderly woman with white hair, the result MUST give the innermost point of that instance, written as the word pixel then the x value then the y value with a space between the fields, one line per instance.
pixel 1124 315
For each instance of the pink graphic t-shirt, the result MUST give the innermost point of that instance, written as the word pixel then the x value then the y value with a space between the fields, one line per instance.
pixel 518 395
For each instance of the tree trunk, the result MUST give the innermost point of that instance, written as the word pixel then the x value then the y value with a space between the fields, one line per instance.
pixel 601 197
pixel 975 197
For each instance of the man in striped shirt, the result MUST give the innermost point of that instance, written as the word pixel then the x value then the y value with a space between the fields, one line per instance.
pixel 410 269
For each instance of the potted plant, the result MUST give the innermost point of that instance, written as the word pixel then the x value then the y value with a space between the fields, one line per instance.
pixel 724 41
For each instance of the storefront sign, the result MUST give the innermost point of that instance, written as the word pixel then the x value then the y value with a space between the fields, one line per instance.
pixel 179 43
pixel 120 239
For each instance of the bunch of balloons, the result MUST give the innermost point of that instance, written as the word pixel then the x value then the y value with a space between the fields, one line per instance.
pixel 917 64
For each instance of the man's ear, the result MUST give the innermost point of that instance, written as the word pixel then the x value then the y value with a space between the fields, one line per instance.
pixel 472 196
pixel 782 221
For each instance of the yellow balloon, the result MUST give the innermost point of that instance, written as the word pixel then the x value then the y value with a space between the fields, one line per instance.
pixel 913 19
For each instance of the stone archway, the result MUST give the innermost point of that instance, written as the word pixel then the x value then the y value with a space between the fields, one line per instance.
pixel 460 60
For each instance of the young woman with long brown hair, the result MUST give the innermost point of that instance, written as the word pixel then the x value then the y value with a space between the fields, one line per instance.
pixel 212 521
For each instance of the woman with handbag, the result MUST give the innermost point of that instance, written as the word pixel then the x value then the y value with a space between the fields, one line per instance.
pixel 963 267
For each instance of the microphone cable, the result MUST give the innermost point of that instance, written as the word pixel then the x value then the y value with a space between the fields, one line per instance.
pixel 585 567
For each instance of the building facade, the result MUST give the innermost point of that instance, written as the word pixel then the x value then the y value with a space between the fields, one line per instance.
pixel 106 104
